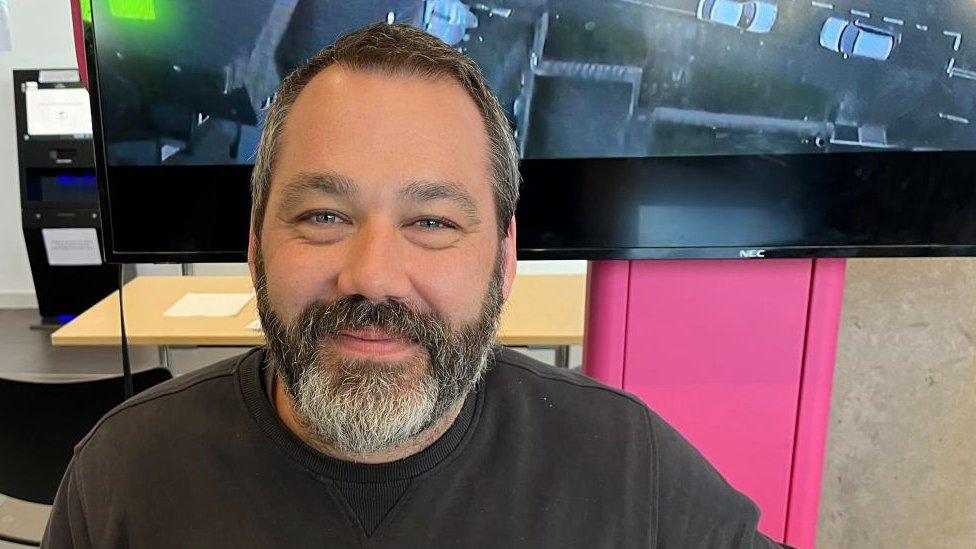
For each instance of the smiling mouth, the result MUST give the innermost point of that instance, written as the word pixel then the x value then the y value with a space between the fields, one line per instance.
pixel 374 342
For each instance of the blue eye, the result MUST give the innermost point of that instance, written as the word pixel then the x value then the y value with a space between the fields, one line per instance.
pixel 433 224
pixel 324 218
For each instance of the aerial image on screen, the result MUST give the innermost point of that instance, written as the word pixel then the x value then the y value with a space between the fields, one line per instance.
pixel 187 83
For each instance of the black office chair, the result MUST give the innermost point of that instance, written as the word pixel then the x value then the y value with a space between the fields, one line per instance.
pixel 41 420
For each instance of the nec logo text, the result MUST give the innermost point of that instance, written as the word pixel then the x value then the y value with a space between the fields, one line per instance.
pixel 752 253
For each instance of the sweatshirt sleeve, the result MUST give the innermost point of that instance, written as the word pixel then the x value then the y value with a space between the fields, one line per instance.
pixel 696 507
pixel 67 526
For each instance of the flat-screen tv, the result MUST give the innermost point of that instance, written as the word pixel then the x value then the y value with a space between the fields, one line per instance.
pixel 648 129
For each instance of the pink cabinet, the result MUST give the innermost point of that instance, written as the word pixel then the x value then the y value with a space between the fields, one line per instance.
pixel 738 356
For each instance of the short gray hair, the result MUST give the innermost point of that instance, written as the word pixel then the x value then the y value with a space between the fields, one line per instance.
pixel 397 50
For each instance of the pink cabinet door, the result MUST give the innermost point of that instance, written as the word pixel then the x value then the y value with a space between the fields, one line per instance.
pixel 723 366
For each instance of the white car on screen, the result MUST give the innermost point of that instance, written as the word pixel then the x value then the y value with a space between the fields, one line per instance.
pixel 855 39
pixel 748 15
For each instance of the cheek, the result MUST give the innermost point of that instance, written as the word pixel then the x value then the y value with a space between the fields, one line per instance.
pixel 454 286
pixel 295 279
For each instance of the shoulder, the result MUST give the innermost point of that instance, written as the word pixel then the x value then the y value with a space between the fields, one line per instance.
pixel 532 393
pixel 519 369
pixel 524 385
pixel 575 415
pixel 180 406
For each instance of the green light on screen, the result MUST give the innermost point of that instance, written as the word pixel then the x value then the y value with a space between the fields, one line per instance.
pixel 86 11
pixel 133 9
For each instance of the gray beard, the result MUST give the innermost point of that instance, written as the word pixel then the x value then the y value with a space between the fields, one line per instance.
pixel 363 410
pixel 362 407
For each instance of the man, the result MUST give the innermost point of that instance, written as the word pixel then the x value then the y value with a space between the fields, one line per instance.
pixel 382 247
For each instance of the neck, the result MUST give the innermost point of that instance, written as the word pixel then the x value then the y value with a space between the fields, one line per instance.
pixel 285 408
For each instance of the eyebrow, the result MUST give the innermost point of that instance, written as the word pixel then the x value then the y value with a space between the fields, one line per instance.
pixel 299 186
pixel 335 184
pixel 428 191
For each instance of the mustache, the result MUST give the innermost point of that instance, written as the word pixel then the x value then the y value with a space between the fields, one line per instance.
pixel 324 320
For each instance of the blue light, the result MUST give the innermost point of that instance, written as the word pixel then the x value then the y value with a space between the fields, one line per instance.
pixel 64 319
pixel 73 179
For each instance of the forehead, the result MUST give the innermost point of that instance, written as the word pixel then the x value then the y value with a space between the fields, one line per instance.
pixel 380 130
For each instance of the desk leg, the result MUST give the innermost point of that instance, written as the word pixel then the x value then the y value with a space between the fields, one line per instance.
pixel 562 356
pixel 561 359
pixel 164 356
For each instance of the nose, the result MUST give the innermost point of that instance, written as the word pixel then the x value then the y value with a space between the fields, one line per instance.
pixel 374 265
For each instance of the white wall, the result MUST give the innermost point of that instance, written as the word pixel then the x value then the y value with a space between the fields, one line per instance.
pixel 41 32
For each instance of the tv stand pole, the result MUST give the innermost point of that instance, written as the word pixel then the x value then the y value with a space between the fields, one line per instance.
pixel 738 355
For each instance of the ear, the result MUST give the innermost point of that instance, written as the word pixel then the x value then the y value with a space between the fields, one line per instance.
pixel 510 261
pixel 252 251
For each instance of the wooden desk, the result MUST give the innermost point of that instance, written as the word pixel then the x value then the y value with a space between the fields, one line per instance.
pixel 543 310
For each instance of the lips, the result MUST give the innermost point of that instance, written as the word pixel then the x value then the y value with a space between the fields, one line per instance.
pixel 373 342
pixel 372 334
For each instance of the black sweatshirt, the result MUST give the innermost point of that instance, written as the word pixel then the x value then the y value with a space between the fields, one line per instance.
pixel 538 457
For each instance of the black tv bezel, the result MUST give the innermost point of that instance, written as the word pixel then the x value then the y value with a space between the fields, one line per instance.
pixel 526 249
pixel 110 255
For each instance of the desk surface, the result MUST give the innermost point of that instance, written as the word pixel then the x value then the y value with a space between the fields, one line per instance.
pixel 542 310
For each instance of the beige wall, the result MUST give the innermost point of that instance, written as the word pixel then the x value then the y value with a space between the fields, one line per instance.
pixel 901 451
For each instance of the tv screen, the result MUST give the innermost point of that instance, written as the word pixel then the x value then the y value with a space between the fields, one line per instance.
pixel 672 128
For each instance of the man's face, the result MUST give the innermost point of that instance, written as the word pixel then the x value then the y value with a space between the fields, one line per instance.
pixel 379 268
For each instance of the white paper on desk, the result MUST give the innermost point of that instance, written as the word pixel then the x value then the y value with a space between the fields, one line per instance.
pixel 58 111
pixel 195 304
pixel 256 325
pixel 71 246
